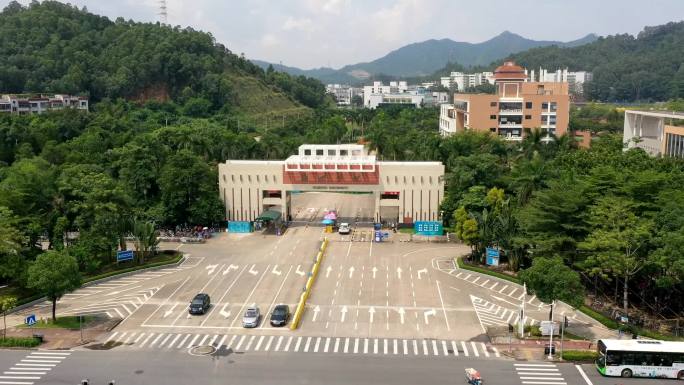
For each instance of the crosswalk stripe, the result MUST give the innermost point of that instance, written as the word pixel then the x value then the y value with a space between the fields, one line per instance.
pixel 356 345
pixel 472 343
pixel 111 337
pixel 268 344
pixel 139 338
pixel 146 340
pixel 365 346
pixel 258 345
pixel 396 342
pixel 465 349
pixel 173 341
pixel 434 347
pixel 230 343
pixel 287 346
pixel 484 349
pixel 444 348
pixel 299 342
pixel 327 345
pixel 453 346
pixel 405 347
pixel 130 337
pixel 280 341
pixel 318 343
pixel 211 342
pixel 385 346
pixel 192 342
pixel 346 345
pixel 375 346
pixel 249 342
pixel 337 344
pixel 425 348
pixel 203 340
pixel 242 339
pixel 306 345
pixel 222 340
pixel 415 347
pixel 496 351
pixel 156 339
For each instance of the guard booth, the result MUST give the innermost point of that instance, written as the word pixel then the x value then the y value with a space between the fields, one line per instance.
pixel 269 221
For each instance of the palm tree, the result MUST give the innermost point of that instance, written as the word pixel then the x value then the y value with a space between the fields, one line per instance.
pixel 533 141
pixel 146 239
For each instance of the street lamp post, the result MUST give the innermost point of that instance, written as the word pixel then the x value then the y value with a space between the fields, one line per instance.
pixel 550 357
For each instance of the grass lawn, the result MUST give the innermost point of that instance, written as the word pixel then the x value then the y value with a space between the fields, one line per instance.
pixel 70 322
pixel 406 230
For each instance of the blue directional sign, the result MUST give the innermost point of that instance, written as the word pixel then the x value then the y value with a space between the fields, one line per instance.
pixel 124 255
pixel 428 228
pixel 492 256
pixel 30 320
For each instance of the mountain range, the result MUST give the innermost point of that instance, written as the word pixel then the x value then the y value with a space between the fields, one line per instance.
pixel 424 58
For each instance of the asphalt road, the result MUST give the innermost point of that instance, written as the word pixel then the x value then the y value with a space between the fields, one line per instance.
pixel 175 368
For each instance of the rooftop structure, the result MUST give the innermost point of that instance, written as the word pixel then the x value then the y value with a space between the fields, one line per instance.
pixel 654 132
pixel 38 104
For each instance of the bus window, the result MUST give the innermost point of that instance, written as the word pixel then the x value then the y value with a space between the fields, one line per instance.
pixel 613 358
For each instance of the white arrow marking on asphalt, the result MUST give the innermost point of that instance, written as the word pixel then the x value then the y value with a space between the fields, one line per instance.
pixel 275 270
pixel 300 272
pixel 168 312
pixel 401 314
pixel 421 271
pixel 223 311
pixel 503 300
pixel 211 269
pixel 344 313
pixel 229 268
pixel 375 270
pixel 327 271
pixel 316 310
pixel 429 313
pixel 371 310
pixel 351 272
pixel 399 272
pixel 252 271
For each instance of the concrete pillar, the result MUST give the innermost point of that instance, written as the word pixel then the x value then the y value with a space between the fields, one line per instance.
pixel 376 196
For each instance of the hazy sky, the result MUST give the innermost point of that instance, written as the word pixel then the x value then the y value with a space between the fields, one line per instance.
pixel 315 33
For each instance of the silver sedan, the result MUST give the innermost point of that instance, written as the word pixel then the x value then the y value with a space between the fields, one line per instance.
pixel 251 317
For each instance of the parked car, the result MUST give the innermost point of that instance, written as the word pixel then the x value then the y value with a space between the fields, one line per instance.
pixel 251 317
pixel 280 315
pixel 200 304
pixel 344 228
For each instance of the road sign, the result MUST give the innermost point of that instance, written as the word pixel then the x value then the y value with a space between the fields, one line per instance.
pixel 428 228
pixel 492 256
pixel 30 320
pixel 124 255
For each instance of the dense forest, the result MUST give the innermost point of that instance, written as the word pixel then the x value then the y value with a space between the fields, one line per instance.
pixel 645 68
pixel 613 218
pixel 66 50
pixel 648 67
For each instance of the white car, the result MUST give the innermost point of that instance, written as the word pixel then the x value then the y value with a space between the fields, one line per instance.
pixel 344 228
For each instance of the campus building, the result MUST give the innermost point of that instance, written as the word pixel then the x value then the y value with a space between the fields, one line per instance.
pixel 654 132
pixel 404 192
pixel 38 104
pixel 516 105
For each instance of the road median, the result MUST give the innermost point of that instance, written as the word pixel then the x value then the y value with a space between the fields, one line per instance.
pixel 299 312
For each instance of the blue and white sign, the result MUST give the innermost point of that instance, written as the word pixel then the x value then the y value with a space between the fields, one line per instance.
pixel 124 255
pixel 428 228
pixel 30 320
pixel 492 256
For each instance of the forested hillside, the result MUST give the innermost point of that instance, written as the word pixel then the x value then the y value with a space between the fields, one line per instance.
pixel 649 67
pixel 54 47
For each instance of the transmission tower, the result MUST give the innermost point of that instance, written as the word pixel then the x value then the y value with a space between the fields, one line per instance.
pixel 163 13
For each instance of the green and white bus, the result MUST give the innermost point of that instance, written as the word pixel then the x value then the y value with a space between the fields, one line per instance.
pixel 641 358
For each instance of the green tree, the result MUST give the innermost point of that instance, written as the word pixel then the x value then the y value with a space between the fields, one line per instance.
pixel 54 273
pixel 146 239
pixel 7 303
pixel 550 279
pixel 617 242
pixel 12 240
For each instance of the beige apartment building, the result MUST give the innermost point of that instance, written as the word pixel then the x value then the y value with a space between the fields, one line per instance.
pixel 517 104
pixel 404 192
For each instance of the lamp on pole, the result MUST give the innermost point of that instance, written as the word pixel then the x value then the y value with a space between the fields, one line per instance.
pixel 550 357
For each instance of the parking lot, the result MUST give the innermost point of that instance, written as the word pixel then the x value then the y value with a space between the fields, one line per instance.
pixel 385 291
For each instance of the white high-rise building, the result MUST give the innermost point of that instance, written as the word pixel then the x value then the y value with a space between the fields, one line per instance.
pixel 462 81
pixel 575 79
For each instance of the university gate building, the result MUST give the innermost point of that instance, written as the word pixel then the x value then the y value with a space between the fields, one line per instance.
pixel 404 192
